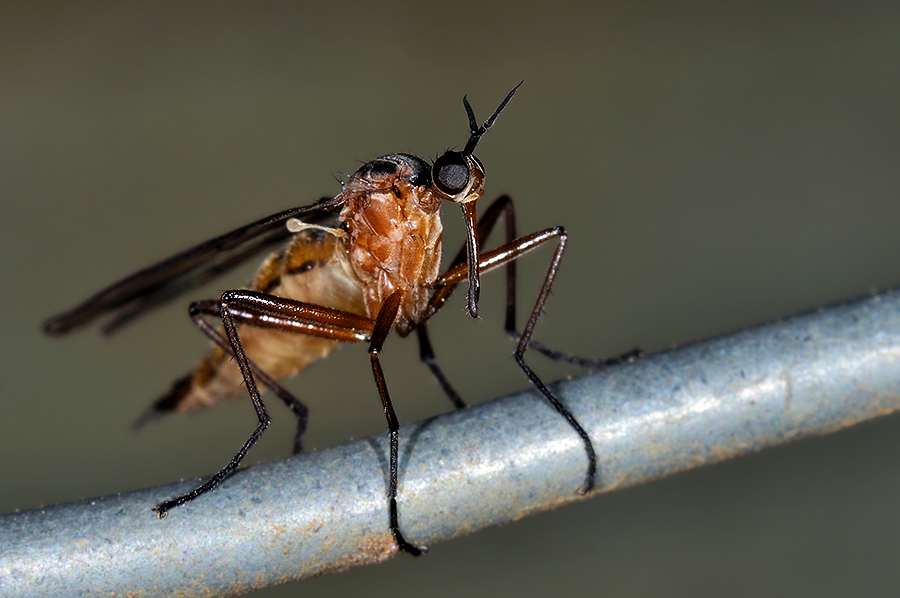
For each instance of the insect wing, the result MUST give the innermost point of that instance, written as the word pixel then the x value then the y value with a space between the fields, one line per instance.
pixel 148 288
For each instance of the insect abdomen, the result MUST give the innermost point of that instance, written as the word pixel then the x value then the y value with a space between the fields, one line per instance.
pixel 311 270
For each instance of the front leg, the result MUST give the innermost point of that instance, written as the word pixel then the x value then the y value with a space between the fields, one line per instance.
pixel 505 255
pixel 502 206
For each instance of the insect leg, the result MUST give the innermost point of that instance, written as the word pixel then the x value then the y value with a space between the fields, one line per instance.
pixel 214 308
pixel 268 311
pixel 502 205
pixel 383 324
pixel 585 362
pixel 262 414
pixel 503 256
pixel 524 341
pixel 426 355
pixel 443 288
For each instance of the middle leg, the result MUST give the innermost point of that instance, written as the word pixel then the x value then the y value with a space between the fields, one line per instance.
pixel 383 324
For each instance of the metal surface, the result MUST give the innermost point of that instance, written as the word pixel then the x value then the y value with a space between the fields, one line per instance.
pixel 460 472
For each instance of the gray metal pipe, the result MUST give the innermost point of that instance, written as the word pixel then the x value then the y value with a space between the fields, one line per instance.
pixel 460 472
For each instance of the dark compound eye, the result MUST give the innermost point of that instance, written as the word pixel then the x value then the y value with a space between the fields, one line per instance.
pixel 450 173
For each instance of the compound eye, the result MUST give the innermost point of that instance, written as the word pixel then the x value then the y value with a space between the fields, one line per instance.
pixel 450 173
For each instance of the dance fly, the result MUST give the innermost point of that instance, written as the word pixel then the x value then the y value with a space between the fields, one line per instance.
pixel 352 268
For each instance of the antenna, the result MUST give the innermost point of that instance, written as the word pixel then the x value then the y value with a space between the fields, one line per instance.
pixel 475 130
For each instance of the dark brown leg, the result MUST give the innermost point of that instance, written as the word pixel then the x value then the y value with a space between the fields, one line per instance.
pixel 262 414
pixel 503 256
pixel 267 311
pixel 213 308
pixel 503 205
pixel 585 362
pixel 524 341
pixel 383 324
pixel 277 313
pixel 426 354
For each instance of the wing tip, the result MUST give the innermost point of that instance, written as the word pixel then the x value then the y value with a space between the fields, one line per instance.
pixel 58 325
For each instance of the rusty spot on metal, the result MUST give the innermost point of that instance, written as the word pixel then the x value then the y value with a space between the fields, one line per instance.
pixel 370 549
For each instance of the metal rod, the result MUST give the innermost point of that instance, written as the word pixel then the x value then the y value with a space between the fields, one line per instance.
pixel 493 463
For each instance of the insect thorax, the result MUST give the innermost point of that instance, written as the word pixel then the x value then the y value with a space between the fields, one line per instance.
pixel 394 232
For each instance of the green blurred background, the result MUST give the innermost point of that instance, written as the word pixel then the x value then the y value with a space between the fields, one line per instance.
pixel 718 165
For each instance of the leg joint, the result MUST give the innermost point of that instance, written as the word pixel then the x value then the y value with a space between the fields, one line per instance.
pixel 229 297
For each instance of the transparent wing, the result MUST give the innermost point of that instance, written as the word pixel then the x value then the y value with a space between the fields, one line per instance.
pixel 134 295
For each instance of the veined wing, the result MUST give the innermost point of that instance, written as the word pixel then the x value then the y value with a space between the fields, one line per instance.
pixel 134 295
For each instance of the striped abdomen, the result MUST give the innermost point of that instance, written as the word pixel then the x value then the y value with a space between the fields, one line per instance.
pixel 311 269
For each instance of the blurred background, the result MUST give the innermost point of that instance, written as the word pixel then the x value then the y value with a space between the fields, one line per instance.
pixel 718 165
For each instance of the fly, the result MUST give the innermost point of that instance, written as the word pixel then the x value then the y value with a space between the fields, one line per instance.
pixel 355 267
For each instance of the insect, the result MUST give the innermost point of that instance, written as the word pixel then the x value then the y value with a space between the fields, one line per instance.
pixel 355 267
